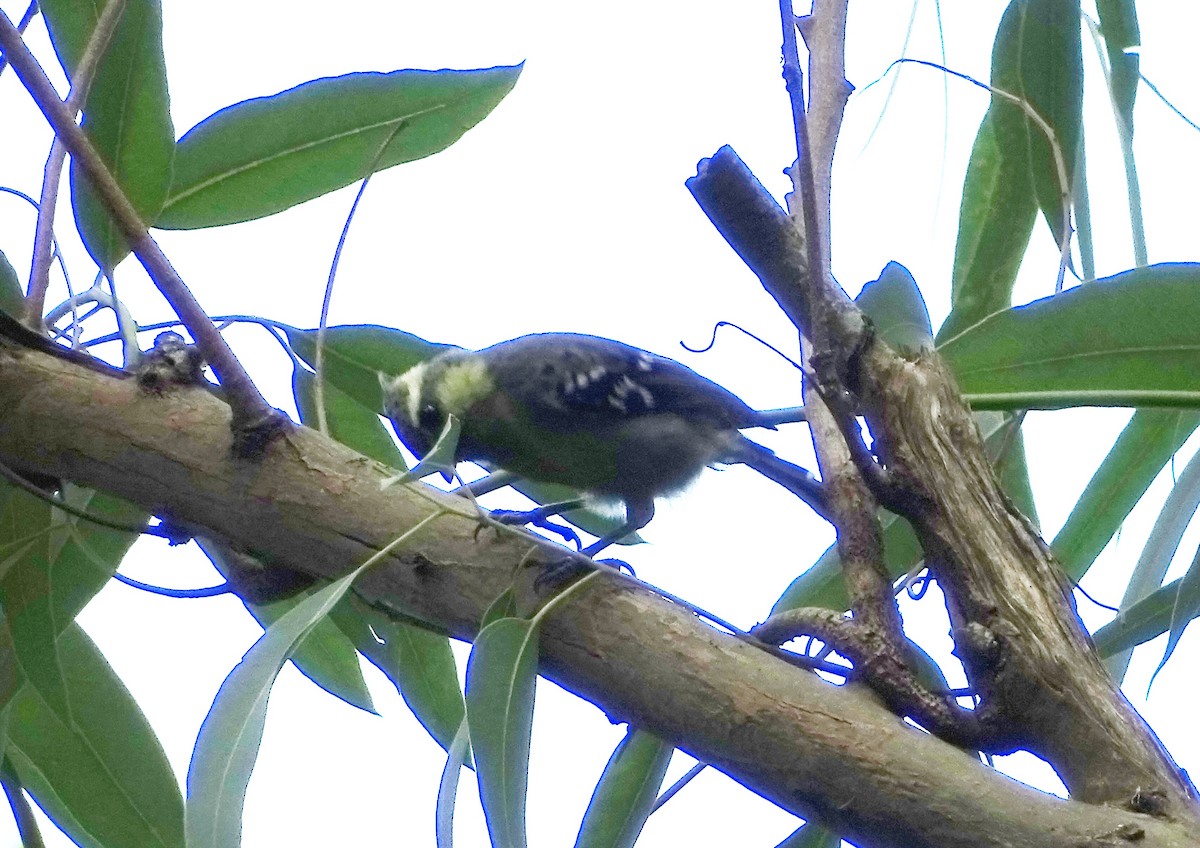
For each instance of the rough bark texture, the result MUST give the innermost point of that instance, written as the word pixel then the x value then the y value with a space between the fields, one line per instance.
pixel 1038 674
pixel 1027 654
pixel 815 749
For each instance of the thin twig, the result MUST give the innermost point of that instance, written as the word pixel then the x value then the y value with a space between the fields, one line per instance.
pixel 254 421
pixel 802 173
pixel 82 76
pixel 22 25
pixel 319 381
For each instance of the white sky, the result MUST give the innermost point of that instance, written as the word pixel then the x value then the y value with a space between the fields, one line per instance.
pixel 566 210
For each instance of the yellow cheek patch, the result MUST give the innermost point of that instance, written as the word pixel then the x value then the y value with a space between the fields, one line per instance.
pixel 462 385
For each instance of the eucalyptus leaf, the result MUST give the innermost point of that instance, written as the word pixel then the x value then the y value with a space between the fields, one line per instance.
pixel 626 792
pixel 264 155
pixel 1144 447
pixel 126 115
pixel 1126 340
pixel 227 746
pixel 104 778
pixel 456 757
pixel 1185 608
pixel 354 425
pixel 897 310
pixel 501 678
pixel 12 297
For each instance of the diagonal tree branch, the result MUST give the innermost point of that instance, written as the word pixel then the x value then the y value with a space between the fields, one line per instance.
pixel 813 748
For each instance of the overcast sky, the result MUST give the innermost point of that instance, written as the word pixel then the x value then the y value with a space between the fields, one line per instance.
pixel 566 210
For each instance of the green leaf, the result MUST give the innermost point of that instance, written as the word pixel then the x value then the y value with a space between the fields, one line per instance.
pixel 350 423
pixel 995 221
pixel 105 778
pixel 1185 608
pixel 30 626
pixel 12 296
pixel 1162 543
pixel 1144 447
pixel 356 354
pixel 811 836
pixel 501 677
pixel 1127 340
pixel 456 757
pixel 896 309
pixel 440 459
pixel 1038 56
pixel 325 656
pixel 1119 26
pixel 504 606
pixel 127 115
pixel 1147 619
pixel 227 746
pixel 626 792
pixel 419 663
pixel 261 156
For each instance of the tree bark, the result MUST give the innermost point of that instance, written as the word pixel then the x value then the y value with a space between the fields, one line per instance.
pixel 817 750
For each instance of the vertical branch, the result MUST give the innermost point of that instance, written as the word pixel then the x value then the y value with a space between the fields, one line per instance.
pixel 43 235
pixel 802 172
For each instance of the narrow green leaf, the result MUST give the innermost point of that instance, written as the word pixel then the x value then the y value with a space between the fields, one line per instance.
pixel 1144 447
pixel 897 310
pixel 1145 620
pixel 1127 340
pixel 350 423
pixel 261 156
pixel 28 828
pixel 811 836
pixel 51 565
pixel 501 677
pixel 419 663
pixel 1185 608
pixel 127 115
pixel 325 656
pixel 105 778
pixel 995 221
pixel 456 757
pixel 30 625
pixel 1038 56
pixel 355 355
pixel 626 792
pixel 227 746
pixel 504 606
pixel 1162 543
pixel 1119 26
pixel 12 296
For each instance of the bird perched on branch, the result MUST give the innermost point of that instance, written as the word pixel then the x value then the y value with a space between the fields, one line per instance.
pixel 594 414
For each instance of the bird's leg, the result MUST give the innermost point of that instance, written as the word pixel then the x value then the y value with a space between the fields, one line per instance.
pixel 540 516
pixel 556 574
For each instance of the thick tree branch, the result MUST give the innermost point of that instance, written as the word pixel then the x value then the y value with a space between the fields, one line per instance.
pixel 813 748
pixel 1024 649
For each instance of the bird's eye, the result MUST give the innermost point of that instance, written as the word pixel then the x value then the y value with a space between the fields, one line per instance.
pixel 429 418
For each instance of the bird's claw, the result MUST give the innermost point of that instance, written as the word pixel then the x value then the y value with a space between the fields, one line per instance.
pixel 519 518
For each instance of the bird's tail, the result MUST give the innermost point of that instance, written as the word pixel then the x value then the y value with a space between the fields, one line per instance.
pixel 799 481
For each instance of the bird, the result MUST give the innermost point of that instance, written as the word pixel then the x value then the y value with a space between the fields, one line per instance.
pixel 605 418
